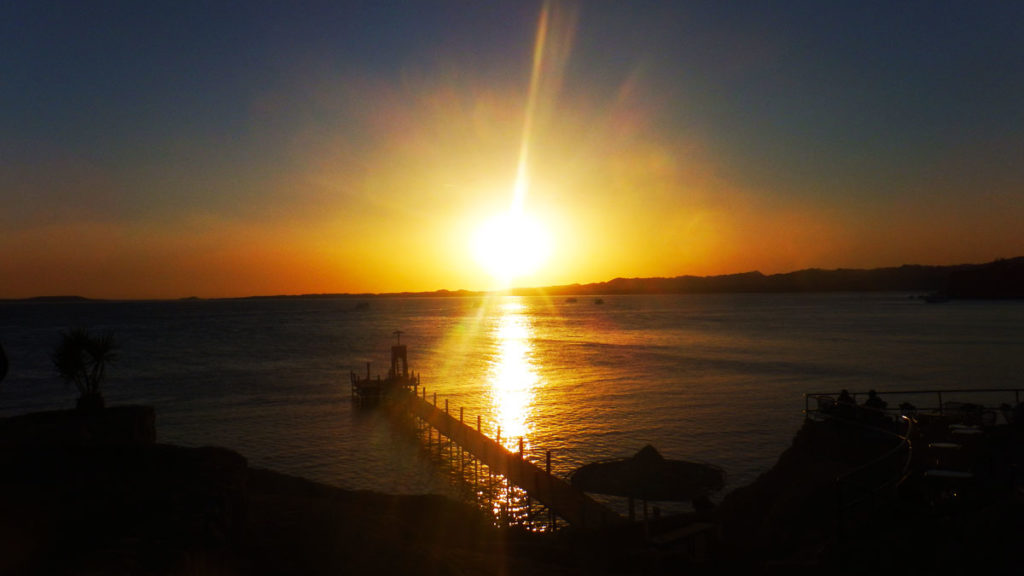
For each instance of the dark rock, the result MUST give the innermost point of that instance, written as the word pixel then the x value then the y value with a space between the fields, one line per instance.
pixel 81 495
pixel 156 507
pixel 831 504
pixel 113 425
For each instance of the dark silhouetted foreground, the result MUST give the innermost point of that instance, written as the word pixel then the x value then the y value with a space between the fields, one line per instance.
pixel 90 492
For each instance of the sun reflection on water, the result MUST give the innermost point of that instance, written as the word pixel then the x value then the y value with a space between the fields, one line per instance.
pixel 512 376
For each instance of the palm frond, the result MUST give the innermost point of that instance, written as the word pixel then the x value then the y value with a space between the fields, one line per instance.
pixel 81 358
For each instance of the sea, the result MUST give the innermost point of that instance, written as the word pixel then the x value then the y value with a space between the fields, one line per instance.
pixel 714 378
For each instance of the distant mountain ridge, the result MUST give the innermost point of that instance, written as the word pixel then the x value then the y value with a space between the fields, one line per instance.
pixel 999 279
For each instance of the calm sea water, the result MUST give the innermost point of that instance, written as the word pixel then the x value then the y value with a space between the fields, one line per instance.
pixel 714 378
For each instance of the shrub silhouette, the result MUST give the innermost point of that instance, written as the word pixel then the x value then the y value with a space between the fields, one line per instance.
pixel 81 358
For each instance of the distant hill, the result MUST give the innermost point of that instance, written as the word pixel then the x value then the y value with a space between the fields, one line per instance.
pixel 50 299
pixel 999 279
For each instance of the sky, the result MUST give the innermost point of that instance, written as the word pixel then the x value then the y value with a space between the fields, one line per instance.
pixel 219 149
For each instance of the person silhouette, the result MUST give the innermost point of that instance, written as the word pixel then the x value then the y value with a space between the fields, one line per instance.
pixel 874 402
pixel 846 404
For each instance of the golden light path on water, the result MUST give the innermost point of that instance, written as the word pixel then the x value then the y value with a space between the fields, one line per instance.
pixel 512 383
pixel 512 377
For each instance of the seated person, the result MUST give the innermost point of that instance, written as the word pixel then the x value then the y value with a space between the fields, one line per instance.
pixel 875 405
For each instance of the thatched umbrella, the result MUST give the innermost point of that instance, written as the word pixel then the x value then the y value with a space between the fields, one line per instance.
pixel 649 476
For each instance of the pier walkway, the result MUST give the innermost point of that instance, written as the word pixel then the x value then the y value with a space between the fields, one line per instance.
pixel 560 497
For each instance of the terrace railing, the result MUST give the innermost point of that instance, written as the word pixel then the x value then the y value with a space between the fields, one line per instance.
pixel 978 402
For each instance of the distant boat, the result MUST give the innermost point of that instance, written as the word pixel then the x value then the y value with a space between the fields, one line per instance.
pixel 599 301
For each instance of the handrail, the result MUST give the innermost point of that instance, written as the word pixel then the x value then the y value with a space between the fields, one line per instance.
pixel 563 499
pixel 903 444
pixel 1017 393
pixel 882 474
pixel 929 391
pixel 845 482
pixel 861 478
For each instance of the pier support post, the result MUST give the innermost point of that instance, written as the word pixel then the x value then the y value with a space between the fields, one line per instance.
pixel 547 468
pixel 508 500
pixel 512 481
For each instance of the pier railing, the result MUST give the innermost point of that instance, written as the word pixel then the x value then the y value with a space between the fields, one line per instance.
pixel 560 497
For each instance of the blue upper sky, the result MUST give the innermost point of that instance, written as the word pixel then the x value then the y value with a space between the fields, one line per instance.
pixel 829 114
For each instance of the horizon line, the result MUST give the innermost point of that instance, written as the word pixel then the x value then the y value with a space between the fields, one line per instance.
pixel 462 292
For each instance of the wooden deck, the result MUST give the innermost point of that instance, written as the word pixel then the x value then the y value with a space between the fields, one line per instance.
pixel 569 503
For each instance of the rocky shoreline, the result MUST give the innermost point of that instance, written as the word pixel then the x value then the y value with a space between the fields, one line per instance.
pixel 93 493
pixel 826 507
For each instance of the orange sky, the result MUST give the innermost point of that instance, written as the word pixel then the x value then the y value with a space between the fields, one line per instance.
pixel 319 174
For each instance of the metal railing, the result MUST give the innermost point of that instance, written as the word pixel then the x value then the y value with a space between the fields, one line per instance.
pixel 874 482
pixel 949 401
pixel 882 474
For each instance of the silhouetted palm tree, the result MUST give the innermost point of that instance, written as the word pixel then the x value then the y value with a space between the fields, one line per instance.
pixel 81 358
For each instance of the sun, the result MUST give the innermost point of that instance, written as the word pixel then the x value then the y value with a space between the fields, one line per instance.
pixel 510 246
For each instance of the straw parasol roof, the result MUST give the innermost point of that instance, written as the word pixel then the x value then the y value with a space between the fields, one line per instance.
pixel 649 476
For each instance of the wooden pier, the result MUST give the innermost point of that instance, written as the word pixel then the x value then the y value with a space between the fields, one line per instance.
pixel 560 497
pixel 399 390
pixel 368 391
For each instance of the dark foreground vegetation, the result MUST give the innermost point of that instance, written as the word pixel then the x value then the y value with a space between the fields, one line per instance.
pixel 91 492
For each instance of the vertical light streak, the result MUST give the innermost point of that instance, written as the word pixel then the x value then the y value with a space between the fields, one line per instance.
pixel 551 47
pixel 522 177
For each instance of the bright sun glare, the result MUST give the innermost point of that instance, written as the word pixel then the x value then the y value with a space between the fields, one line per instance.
pixel 510 246
pixel 513 245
